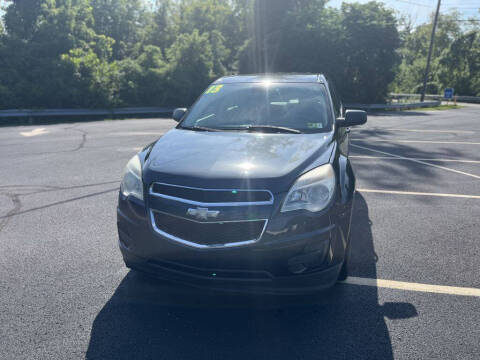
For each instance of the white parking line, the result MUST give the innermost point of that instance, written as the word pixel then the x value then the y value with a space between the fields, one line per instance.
pixel 421 141
pixel 136 133
pixel 424 159
pixel 418 161
pixel 401 285
pixel 129 149
pixel 34 132
pixel 419 193
pixel 433 131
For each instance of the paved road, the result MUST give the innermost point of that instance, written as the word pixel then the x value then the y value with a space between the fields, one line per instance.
pixel 65 293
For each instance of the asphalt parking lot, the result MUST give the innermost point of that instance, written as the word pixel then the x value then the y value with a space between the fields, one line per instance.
pixel 414 290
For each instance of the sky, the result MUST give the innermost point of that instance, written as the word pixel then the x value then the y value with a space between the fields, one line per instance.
pixel 420 10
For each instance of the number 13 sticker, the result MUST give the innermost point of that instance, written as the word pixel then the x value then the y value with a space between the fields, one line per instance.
pixel 213 89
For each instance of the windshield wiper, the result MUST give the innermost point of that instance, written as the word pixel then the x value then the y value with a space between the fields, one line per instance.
pixel 274 128
pixel 197 128
pixel 265 128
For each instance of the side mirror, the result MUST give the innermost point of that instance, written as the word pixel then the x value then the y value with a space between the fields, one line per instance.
pixel 352 118
pixel 178 114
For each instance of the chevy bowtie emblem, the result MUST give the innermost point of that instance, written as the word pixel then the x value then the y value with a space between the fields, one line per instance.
pixel 203 213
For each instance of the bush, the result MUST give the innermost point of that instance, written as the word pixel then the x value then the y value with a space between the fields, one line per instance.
pixel 190 68
pixel 89 80
pixel 432 88
pixel 142 80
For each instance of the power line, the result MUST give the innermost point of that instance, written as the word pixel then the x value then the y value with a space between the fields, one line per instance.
pixel 463 8
pixel 430 6
pixel 463 1
pixel 413 3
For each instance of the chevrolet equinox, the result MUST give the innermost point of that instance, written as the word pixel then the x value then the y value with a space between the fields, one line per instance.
pixel 251 191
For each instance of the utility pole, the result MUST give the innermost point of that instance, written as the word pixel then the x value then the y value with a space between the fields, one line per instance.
pixel 427 68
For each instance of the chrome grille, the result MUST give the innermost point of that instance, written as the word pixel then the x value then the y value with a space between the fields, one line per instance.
pixel 209 218
pixel 209 233
pixel 212 197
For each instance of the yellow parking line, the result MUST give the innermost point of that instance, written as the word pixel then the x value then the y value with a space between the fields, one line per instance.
pixel 417 161
pixel 409 286
pixel 424 159
pixel 419 193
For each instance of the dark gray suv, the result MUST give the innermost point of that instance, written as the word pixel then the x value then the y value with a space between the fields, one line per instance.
pixel 251 191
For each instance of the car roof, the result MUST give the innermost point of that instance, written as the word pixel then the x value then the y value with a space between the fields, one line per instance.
pixel 286 78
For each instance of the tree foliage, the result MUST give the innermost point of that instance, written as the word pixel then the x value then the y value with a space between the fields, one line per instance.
pixel 106 53
pixel 455 58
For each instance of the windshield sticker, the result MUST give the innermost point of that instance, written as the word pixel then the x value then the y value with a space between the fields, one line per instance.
pixel 314 125
pixel 213 89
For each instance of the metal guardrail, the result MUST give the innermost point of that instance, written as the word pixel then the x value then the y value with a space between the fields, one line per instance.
pixel 406 106
pixel 84 112
pixel 466 99
pixel 130 111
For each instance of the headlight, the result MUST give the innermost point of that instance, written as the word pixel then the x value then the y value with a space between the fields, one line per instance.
pixel 132 180
pixel 312 191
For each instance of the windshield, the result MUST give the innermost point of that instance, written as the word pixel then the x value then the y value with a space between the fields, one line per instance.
pixel 255 106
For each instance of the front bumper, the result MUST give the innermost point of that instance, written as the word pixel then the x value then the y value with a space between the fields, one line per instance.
pixel 215 279
pixel 297 253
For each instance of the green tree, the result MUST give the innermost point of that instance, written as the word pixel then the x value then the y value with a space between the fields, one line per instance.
pixel 161 30
pixel 142 80
pixel 220 20
pixel 124 21
pixel 459 64
pixel 414 49
pixel 369 51
pixel 190 68
pixel 355 46
pixel 90 81
pixel 37 33
pixel 100 53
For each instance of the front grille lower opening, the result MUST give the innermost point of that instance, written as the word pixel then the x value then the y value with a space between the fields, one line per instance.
pixel 209 233
pixel 213 273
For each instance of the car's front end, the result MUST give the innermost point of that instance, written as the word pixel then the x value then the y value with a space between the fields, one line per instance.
pixel 238 211
pixel 252 247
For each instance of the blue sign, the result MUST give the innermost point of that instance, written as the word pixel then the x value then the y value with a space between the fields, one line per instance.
pixel 448 93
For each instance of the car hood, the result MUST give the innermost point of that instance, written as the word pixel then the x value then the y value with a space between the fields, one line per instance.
pixel 235 159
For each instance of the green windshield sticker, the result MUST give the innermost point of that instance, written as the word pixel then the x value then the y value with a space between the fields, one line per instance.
pixel 213 89
pixel 314 125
